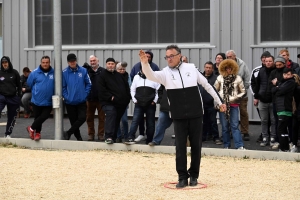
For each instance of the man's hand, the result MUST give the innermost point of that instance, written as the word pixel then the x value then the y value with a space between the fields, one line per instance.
pixel 23 89
pixel 112 98
pixel 153 103
pixel 274 81
pixel 255 102
pixel 223 108
pixel 143 57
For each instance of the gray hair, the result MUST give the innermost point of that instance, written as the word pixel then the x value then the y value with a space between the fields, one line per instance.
pixel 91 56
pixel 231 51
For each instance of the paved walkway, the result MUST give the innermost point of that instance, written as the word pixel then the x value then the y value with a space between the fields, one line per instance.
pixel 48 133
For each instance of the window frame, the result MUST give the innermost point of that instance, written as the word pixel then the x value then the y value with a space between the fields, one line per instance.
pixel 264 44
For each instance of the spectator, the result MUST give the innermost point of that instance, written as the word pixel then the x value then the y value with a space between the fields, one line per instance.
pixel 181 80
pixel 76 87
pixel 253 81
pixel 245 75
pixel 263 99
pixel 26 93
pixel 92 103
pixel 114 96
pixel 288 63
pixel 277 75
pixel 210 113
pixel 10 93
pixel 296 115
pixel 284 91
pixel 231 88
pixel 136 68
pixel 144 96
pixel 121 68
pixel 164 120
pixel 219 58
pixel 184 59
pixel 41 81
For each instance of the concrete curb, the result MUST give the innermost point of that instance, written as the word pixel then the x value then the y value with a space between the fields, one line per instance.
pixel 84 145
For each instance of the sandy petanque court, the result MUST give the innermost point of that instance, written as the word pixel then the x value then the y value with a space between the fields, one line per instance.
pixel 42 174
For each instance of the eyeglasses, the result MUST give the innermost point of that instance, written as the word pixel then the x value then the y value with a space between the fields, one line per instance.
pixel 4 62
pixel 171 56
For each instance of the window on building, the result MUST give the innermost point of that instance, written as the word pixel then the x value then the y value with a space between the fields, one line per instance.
pixel 280 20
pixel 124 21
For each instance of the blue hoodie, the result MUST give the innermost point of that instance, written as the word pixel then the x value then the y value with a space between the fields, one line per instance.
pixel 76 85
pixel 42 86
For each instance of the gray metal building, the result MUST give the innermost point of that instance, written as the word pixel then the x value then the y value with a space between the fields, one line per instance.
pixel 119 28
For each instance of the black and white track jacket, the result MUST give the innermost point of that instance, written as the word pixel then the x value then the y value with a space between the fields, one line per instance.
pixel 143 91
pixel 182 88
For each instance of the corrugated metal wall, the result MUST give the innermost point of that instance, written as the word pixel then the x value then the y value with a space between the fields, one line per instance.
pixel 233 26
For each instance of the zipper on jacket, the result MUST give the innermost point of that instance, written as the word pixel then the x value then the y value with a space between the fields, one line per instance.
pixel 184 96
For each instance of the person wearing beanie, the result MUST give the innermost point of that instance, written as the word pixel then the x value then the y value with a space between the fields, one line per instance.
pixel 134 71
pixel 284 92
pixel 76 86
pixel 245 74
pixel 253 81
pixel 275 78
pixel 114 97
pixel 219 58
pixel 10 93
pixel 41 81
pixel 288 62
pixel 92 102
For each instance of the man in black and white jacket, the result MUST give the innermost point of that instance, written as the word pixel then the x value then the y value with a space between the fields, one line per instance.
pixel 144 96
pixel 181 82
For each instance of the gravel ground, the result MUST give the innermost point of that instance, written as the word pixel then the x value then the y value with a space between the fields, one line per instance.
pixel 41 174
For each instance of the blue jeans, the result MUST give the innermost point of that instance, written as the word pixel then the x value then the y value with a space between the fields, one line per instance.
pixel 124 121
pixel 138 114
pixel 234 126
pixel 210 125
pixel 164 122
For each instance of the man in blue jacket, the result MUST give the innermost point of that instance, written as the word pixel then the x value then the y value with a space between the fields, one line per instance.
pixel 41 82
pixel 76 87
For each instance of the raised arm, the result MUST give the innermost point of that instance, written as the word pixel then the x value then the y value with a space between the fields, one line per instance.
pixel 157 76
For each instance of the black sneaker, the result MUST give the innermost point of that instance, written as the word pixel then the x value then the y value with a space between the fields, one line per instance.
pixel 129 141
pixel 259 139
pixel 218 141
pixel 66 135
pixel 264 143
pixel 109 141
pixel 152 144
pixel 119 140
pixel 246 137
pixel 182 183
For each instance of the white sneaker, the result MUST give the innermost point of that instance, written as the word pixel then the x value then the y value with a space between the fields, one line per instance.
pixel 291 145
pixel 241 148
pixel 173 136
pixel 140 138
pixel 7 136
pixel 294 149
pixel 275 145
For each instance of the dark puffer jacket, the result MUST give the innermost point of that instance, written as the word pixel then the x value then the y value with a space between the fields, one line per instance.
pixel 261 89
pixel 284 94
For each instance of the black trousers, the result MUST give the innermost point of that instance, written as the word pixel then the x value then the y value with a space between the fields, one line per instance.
pixel 283 122
pixel 296 128
pixel 193 129
pixel 77 116
pixel 41 114
pixel 13 107
pixel 113 115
